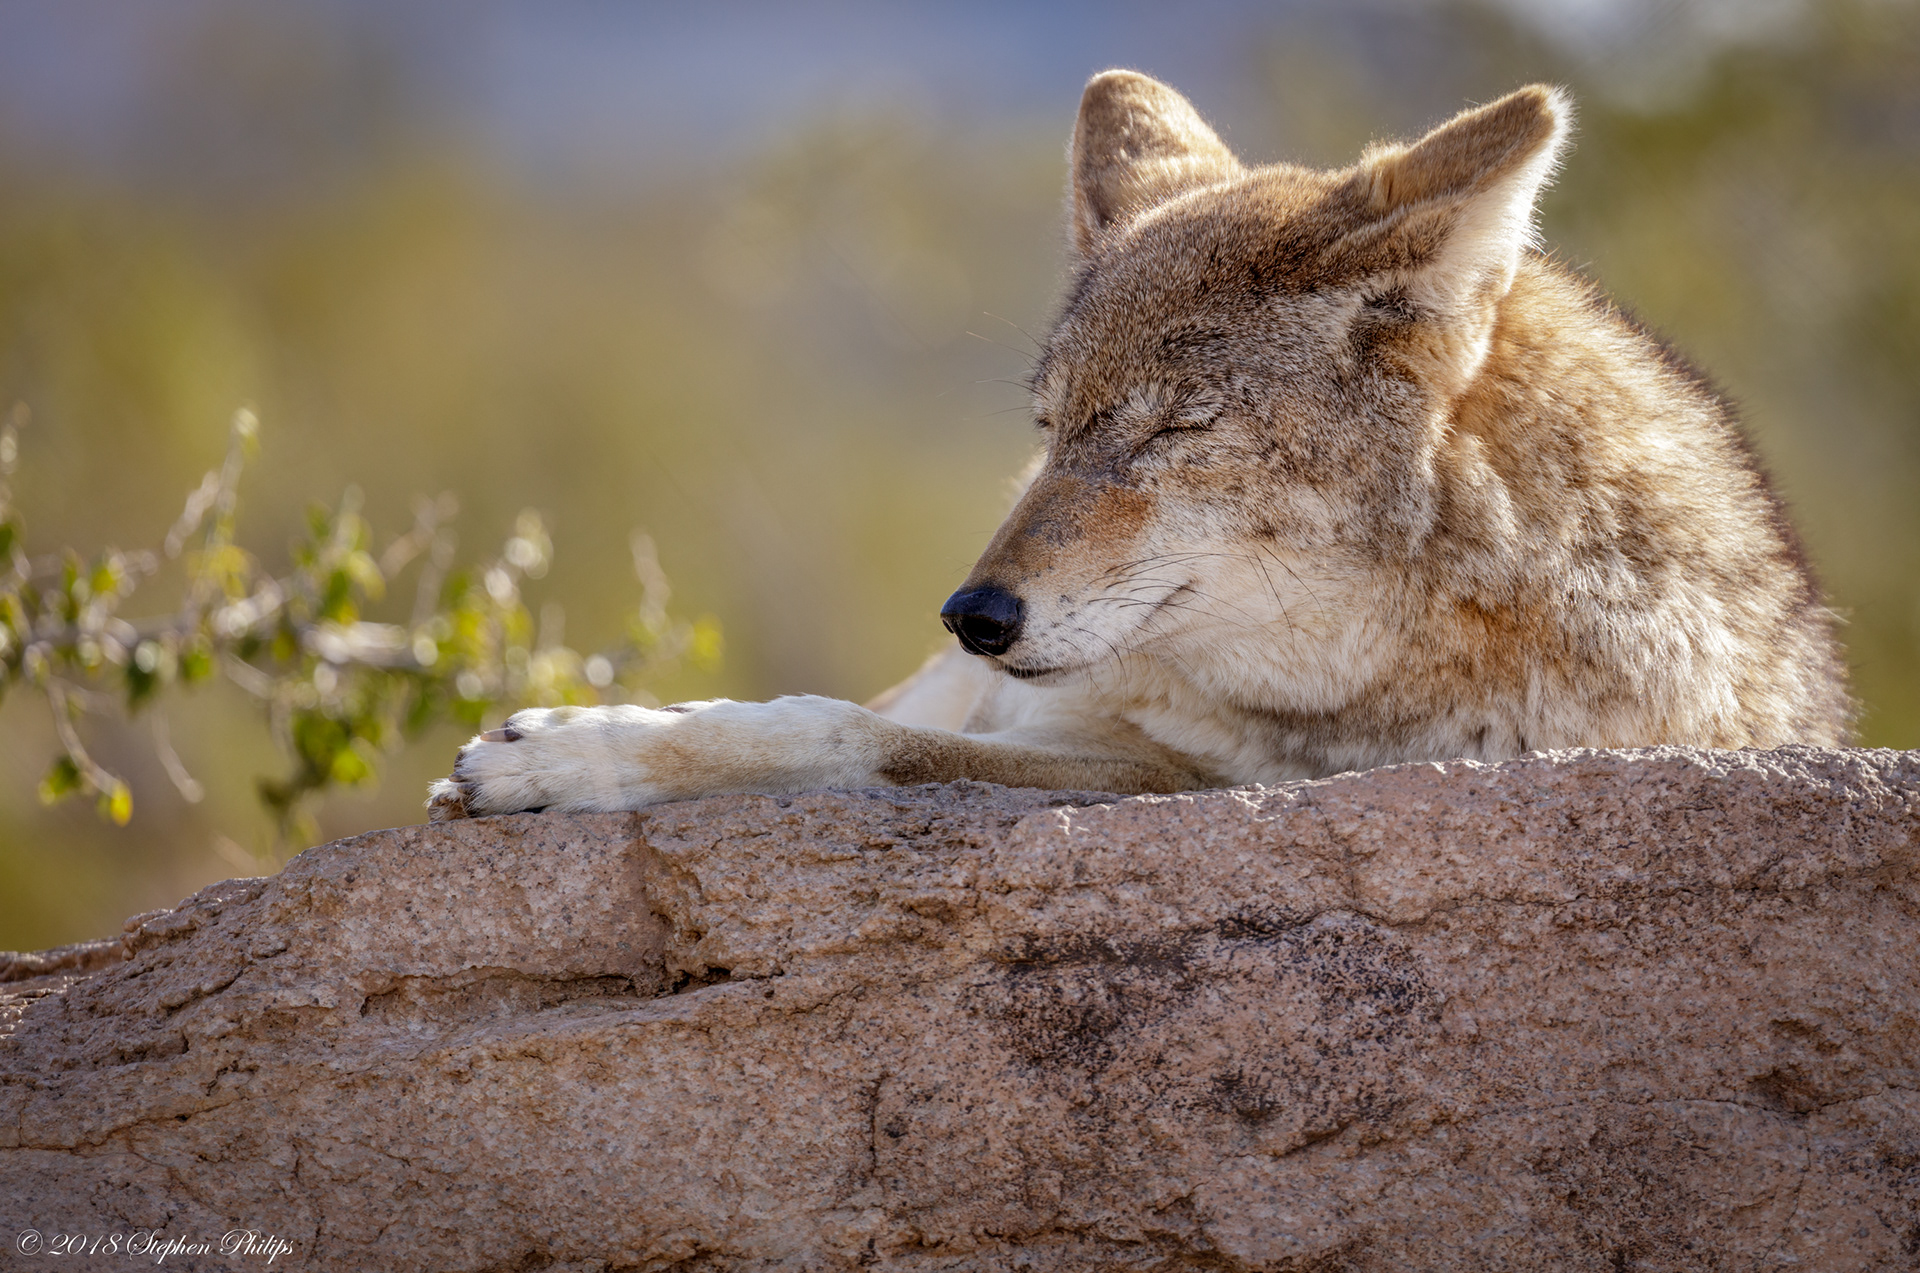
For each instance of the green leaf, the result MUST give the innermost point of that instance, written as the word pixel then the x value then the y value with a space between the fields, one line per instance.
pixel 106 577
pixel 706 648
pixel 349 767
pixel 196 662
pixel 278 796
pixel 141 683
pixel 317 738
pixel 117 804
pixel 336 604
pixel 62 780
pixel 365 572
pixel 453 592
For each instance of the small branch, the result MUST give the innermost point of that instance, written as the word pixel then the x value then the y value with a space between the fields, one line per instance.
pixel 247 677
pixel 183 782
pixel 97 779
pixel 338 688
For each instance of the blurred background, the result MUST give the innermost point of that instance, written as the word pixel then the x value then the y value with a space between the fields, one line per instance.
pixel 764 278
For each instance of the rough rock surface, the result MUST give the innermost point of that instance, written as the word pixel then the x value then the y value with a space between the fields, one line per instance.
pixel 1593 1010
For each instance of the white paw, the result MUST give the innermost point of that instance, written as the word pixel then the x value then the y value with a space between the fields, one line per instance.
pixel 600 759
pixel 553 757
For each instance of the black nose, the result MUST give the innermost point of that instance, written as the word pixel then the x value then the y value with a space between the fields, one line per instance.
pixel 987 620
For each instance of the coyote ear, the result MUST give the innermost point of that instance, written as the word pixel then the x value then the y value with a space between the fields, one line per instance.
pixel 1137 142
pixel 1465 194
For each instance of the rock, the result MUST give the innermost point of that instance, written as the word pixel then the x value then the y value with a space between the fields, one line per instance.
pixel 1592 1010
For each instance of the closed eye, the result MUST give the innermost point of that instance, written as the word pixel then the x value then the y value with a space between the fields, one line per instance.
pixel 1203 426
pixel 1173 428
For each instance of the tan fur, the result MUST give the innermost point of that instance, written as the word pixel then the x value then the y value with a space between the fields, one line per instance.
pixel 1340 472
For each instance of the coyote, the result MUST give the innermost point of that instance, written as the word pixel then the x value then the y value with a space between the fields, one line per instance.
pixel 1339 472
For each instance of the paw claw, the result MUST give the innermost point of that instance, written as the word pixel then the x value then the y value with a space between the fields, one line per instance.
pixel 505 734
pixel 447 801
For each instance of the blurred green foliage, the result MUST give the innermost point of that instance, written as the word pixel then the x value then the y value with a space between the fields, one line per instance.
pixel 801 369
pixel 338 686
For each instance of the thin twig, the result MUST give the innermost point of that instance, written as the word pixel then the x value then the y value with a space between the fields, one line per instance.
pixel 183 782
pixel 98 778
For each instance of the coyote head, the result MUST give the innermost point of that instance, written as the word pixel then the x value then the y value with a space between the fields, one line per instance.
pixel 1243 393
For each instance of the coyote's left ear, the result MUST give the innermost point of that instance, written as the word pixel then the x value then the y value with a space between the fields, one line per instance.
pixel 1457 205
pixel 1135 143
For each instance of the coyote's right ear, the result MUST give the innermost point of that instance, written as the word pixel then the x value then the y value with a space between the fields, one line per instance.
pixel 1137 142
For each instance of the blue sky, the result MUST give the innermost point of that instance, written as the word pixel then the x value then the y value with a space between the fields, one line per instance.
pixel 601 87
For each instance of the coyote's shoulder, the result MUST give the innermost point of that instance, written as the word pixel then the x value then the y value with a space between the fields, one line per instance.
pixel 1598 509
pixel 1339 472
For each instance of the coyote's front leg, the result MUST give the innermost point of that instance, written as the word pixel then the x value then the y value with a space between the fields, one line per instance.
pixel 599 759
